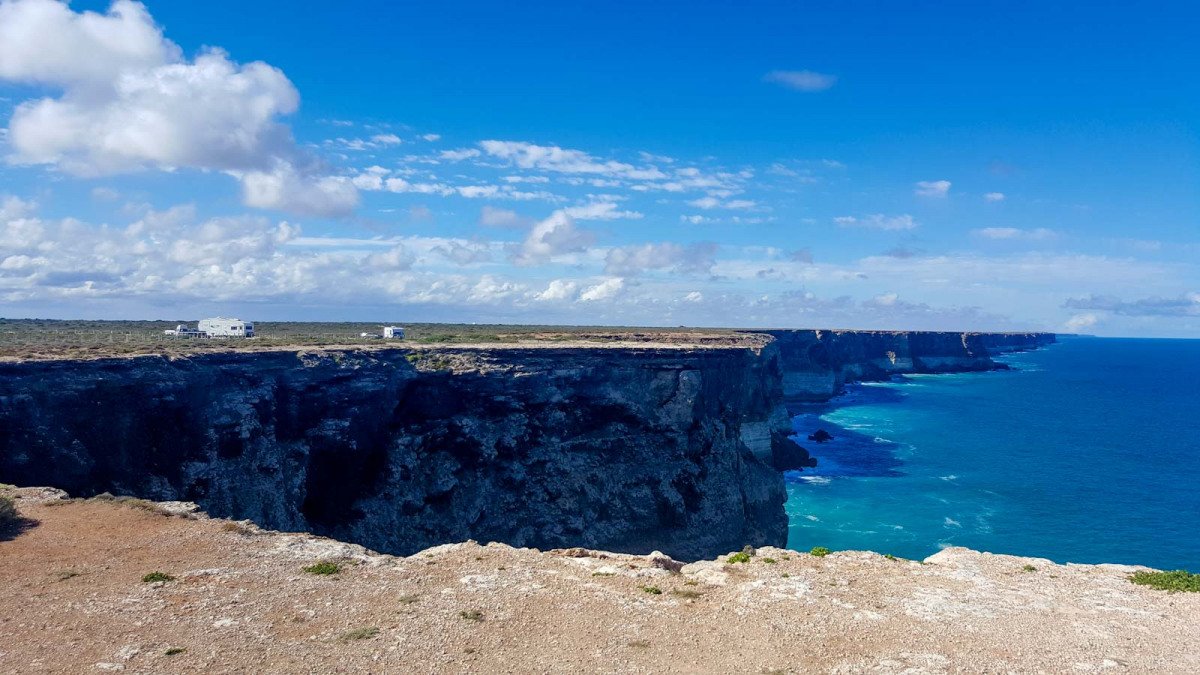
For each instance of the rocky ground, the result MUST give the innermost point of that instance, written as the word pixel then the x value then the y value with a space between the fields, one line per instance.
pixel 239 599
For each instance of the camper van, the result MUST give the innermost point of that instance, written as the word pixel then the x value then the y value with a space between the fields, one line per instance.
pixel 222 327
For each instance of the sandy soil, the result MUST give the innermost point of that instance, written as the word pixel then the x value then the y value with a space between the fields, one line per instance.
pixel 74 601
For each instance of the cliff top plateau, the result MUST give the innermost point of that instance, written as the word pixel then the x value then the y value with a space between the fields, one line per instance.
pixel 128 585
pixel 33 339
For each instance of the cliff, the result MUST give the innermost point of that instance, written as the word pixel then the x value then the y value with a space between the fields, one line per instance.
pixel 233 598
pixel 623 448
pixel 817 364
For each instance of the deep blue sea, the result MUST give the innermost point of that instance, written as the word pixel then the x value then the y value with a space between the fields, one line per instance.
pixel 1087 451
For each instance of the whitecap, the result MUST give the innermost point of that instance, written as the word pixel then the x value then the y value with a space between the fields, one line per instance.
pixel 813 518
pixel 816 480
pixel 950 522
pixel 948 478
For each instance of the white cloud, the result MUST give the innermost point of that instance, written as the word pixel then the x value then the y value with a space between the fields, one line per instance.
pixel 711 202
pixel 559 290
pixel 878 221
pixel 932 188
pixel 801 80
pixel 1037 234
pixel 605 290
pixel 386 139
pixel 994 197
pixel 491 216
pixel 12 208
pixel 1080 322
pixel 432 137
pixel 552 237
pixel 286 189
pixel 458 155
pixel 602 210
pixel 562 160
pixel 130 101
pixel 633 260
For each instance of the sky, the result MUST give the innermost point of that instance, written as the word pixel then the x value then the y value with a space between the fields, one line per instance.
pixel 933 166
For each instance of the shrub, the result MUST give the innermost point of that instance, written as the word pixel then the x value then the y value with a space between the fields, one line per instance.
pixel 686 593
pixel 175 650
pixel 652 590
pixel 1029 568
pixel 471 615
pixel 8 512
pixel 324 568
pixel 1176 581
pixel 156 577
pixel 365 633
pixel 739 557
pixel 769 561
pixel 820 551
pixel 889 556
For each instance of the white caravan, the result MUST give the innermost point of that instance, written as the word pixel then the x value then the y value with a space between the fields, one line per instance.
pixel 222 327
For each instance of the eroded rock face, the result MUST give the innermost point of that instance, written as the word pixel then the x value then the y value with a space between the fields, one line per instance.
pixel 624 449
pixel 818 363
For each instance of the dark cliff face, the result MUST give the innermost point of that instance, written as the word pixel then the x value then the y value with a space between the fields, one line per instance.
pixel 818 363
pixel 622 449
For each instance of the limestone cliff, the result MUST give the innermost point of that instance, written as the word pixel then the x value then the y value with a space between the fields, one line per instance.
pixel 818 363
pixel 627 449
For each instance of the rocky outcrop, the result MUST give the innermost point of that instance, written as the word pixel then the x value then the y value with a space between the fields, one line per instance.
pixel 818 363
pixel 627 449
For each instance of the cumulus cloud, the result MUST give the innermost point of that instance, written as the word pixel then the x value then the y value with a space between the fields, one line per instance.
pixel 605 290
pixel 130 101
pixel 1015 233
pixel 801 80
pixel 634 260
pixel 878 221
pixel 563 160
pixel 552 237
pixel 994 197
pixel 932 188
pixel 559 290
pixel 601 210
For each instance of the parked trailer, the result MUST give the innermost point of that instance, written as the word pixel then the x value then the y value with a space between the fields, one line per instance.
pixel 183 331
pixel 393 333
pixel 223 327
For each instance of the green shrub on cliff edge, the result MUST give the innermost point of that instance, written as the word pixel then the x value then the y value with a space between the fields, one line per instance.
pixel 1176 581
pixel 8 512
pixel 324 568
pixel 820 551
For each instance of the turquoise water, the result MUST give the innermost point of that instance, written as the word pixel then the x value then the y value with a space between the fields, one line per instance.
pixel 1088 451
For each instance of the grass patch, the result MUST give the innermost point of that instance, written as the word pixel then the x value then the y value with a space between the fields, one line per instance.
pixel 1175 581
pixel 154 577
pixel 603 574
pixel 686 593
pixel 324 568
pixel 1029 568
pixel 739 557
pixel 770 561
pixel 471 615
pixel 364 633
pixel 235 527
pixel 652 590
pixel 891 557
pixel 785 575
pixel 820 551
pixel 639 644
pixel 175 650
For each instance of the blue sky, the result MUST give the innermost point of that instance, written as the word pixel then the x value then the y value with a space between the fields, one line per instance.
pixel 1022 166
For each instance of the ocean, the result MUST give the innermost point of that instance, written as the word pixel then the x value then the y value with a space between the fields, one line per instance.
pixel 1086 451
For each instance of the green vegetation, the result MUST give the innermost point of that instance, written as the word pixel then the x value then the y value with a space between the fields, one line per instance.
pixel 364 633
pixel 324 568
pixel 785 575
pixel 1176 581
pixel 686 593
pixel 41 338
pixel 174 650
pixel 652 590
pixel 889 556
pixel 820 551
pixel 8 512
pixel 602 574
pixel 739 557
pixel 1029 568
pixel 471 615
pixel 154 577
pixel 769 561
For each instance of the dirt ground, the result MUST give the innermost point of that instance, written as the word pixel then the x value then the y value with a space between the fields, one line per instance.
pixel 74 601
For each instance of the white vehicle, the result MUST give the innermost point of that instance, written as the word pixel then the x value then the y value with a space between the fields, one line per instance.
pixel 183 331
pixel 222 327
pixel 393 333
